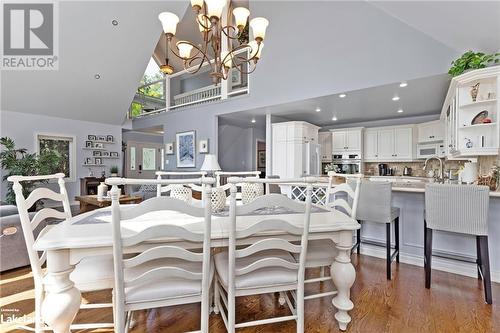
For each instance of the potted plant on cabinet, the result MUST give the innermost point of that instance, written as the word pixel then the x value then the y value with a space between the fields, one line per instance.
pixel 472 60
pixel 114 171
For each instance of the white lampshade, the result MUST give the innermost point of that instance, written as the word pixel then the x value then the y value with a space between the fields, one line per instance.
pixel 241 15
pixel 253 44
pixel 203 19
pixel 169 22
pixel 259 25
pixel 215 7
pixel 210 163
pixel 184 49
pixel 197 3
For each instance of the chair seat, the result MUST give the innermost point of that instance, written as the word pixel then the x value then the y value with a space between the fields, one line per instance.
pixel 94 273
pixel 320 253
pixel 165 288
pixel 261 278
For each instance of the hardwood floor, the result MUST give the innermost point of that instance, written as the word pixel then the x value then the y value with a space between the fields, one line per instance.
pixel 453 304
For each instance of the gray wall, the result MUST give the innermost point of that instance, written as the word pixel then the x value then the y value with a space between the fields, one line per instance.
pixel 366 58
pixel 22 127
pixel 141 137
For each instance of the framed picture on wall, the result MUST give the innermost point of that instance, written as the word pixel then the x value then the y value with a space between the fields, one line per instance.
pixel 98 160
pixel 261 159
pixel 113 154
pixel 96 153
pixel 169 148
pixel 92 137
pixel 110 138
pixel 203 146
pixel 88 160
pixel 101 138
pixel 186 150
pixel 105 154
pixel 236 76
pixel 88 144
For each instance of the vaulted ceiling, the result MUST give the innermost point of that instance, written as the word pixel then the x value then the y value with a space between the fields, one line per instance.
pixel 339 46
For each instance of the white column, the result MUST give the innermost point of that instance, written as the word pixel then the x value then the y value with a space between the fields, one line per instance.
pixel 269 143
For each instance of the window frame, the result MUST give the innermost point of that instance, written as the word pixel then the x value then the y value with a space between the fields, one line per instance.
pixel 72 151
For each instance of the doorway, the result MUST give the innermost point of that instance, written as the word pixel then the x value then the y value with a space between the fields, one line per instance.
pixel 143 159
pixel 260 156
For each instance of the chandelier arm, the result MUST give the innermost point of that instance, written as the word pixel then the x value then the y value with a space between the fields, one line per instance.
pixel 229 27
pixel 189 60
pixel 206 19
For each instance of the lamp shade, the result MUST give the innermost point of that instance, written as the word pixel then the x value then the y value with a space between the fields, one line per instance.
pixel 169 22
pixel 184 49
pixel 259 25
pixel 215 7
pixel 210 163
pixel 241 15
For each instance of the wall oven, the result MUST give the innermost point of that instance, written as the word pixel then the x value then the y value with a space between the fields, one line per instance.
pixel 425 150
pixel 347 163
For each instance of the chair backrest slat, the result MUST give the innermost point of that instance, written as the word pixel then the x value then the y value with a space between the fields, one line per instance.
pixel 162 231
pixel 267 262
pixel 159 273
pixel 349 201
pixel 457 208
pixel 268 244
pixel 165 251
pixel 30 224
pixel 269 225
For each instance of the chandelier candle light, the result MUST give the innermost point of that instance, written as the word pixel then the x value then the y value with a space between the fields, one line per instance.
pixel 214 28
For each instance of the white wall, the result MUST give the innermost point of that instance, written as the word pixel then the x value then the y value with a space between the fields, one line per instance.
pixel 22 127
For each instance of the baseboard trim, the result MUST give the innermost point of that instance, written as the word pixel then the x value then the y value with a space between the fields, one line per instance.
pixel 438 263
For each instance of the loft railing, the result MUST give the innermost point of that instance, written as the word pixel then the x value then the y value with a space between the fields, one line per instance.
pixel 148 101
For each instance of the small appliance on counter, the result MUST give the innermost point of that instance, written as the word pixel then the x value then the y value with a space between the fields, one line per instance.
pixel 383 169
pixel 407 171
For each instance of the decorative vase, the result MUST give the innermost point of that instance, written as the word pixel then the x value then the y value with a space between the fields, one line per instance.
pixel 114 175
pixel 101 190
pixel 182 193
pixel 474 91
pixel 250 191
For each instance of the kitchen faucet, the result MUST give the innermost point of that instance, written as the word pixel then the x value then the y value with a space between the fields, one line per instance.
pixel 441 167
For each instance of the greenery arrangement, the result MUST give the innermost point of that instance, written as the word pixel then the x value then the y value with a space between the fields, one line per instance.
pixel 20 162
pixel 472 60
pixel 113 169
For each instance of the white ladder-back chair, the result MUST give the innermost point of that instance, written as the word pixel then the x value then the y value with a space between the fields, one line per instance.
pixel 173 189
pixel 160 274
pixel 267 265
pixel 321 253
pixel 90 274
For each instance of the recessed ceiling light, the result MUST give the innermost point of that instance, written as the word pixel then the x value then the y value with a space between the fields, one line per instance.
pixel 318 109
pixel 342 95
pixel 97 76
pixel 114 22
pixel 253 120
pixel 395 98
pixel 403 84
pixel 400 111
pixel 334 118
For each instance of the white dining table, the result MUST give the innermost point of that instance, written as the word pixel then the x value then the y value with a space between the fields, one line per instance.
pixel 89 234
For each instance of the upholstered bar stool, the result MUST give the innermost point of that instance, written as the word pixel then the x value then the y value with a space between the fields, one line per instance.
pixel 375 205
pixel 460 209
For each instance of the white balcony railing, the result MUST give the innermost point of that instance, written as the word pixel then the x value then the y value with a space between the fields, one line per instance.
pixel 197 96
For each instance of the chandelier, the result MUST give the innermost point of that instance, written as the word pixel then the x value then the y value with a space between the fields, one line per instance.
pixel 220 54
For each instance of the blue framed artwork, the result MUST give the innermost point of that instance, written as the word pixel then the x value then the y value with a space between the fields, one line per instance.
pixel 186 153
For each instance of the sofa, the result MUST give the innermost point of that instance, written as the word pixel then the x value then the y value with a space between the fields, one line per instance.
pixel 13 253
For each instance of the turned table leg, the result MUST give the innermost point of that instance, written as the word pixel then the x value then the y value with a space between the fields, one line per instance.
pixel 62 300
pixel 343 276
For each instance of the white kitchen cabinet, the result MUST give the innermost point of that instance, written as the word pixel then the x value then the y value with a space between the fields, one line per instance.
pixel 390 144
pixel 347 140
pixel 371 139
pixel 385 144
pixel 432 131
pixel 325 140
pixel 288 150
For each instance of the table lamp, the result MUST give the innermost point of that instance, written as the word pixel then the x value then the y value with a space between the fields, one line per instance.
pixel 210 164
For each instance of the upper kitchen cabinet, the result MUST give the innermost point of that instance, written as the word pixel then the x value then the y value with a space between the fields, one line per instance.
pixel 432 131
pixel 470 114
pixel 390 144
pixel 347 140
pixel 325 140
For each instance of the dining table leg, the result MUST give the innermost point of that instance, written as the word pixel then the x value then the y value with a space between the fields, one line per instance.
pixel 62 300
pixel 343 276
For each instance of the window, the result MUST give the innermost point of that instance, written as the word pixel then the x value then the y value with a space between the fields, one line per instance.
pixel 64 146
pixel 148 159
pixel 132 158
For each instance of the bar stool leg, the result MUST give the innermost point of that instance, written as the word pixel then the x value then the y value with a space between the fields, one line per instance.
pixel 478 261
pixel 396 231
pixel 388 249
pixel 358 239
pixel 428 256
pixel 485 267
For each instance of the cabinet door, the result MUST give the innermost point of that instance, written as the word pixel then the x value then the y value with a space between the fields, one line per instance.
pixel 325 140
pixel 280 158
pixel 354 140
pixel 339 141
pixel 371 152
pixel 385 144
pixel 403 143
pixel 438 131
